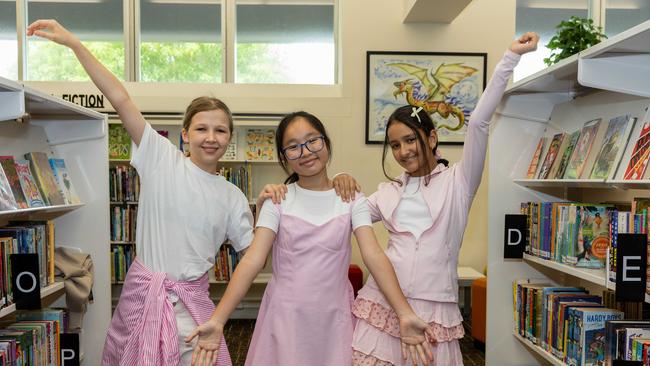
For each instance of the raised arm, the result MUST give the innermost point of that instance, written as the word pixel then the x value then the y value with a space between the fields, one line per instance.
pixel 473 161
pixel 211 332
pixel 412 328
pixel 107 83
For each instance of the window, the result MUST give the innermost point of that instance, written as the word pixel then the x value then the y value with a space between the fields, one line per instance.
pixel 285 42
pixel 98 23
pixel 624 14
pixel 543 16
pixel 8 40
pixel 180 41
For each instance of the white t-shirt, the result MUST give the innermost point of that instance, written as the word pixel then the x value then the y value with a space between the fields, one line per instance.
pixel 412 213
pixel 316 207
pixel 184 212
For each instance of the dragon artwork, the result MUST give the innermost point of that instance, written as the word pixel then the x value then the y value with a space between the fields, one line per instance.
pixel 437 85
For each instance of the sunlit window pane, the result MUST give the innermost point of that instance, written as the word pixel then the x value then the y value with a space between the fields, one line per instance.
pixel 8 40
pixel 624 14
pixel 98 24
pixel 180 41
pixel 542 16
pixel 285 43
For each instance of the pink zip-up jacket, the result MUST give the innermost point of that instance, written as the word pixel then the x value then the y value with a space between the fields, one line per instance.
pixel 426 267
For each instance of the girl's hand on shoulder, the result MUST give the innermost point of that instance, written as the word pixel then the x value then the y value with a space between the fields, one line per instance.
pixel 276 192
pixel 206 350
pixel 526 43
pixel 52 30
pixel 416 334
pixel 346 186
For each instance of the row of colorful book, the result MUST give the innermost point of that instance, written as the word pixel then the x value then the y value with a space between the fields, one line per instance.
pixel 123 223
pixel 34 181
pixel 124 184
pixel 596 151
pixel 23 238
pixel 241 177
pixel 628 341
pixel 566 232
pixel 34 338
pixel 568 322
pixel 225 262
pixel 123 256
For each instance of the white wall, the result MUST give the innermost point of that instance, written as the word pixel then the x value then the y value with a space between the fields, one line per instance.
pixel 483 26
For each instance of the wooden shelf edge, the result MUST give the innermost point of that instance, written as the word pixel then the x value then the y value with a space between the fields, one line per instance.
pixel 45 292
pixel 540 351
pixel 595 276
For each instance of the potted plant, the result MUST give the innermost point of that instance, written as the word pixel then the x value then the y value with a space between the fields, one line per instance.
pixel 572 36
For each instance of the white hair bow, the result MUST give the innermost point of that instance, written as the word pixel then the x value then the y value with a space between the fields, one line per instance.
pixel 416 113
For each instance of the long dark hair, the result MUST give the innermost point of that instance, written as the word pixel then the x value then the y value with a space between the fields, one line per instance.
pixel 424 124
pixel 279 135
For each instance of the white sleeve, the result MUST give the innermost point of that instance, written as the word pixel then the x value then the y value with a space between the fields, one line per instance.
pixel 269 216
pixel 240 224
pixel 152 150
pixel 360 213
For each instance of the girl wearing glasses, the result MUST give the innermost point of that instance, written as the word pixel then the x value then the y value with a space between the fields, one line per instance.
pixel 305 317
pixel 185 210
pixel 425 212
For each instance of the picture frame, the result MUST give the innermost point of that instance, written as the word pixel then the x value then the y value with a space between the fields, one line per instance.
pixel 395 78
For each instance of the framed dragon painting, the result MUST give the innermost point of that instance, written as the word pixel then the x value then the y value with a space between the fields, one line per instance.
pixel 446 85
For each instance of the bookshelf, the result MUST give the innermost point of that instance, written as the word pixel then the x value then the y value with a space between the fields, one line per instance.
pixel 605 81
pixel 31 120
pixel 261 173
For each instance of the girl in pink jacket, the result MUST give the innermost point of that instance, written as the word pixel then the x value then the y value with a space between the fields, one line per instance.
pixel 425 211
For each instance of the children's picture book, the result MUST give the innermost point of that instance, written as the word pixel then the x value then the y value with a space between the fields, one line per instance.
pixel 28 184
pixel 551 155
pixel 532 168
pixel 582 149
pixel 231 150
pixel 119 143
pixel 44 177
pixel 63 181
pixel 593 237
pixel 566 155
pixel 7 163
pixel 616 137
pixel 260 144
pixel 592 334
pixel 7 201
pixel 638 162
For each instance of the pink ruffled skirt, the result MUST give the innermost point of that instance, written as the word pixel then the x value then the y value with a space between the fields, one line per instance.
pixel 376 336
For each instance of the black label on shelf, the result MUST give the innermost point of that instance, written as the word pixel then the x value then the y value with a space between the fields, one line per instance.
pixel 25 281
pixel 70 349
pixel 631 264
pixel 626 363
pixel 514 236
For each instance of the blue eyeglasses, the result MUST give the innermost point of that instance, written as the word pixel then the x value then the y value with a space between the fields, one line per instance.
pixel 314 144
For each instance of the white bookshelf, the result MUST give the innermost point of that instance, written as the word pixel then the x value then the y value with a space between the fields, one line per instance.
pixel 31 120
pixel 538 351
pixel 605 81
pixel 45 292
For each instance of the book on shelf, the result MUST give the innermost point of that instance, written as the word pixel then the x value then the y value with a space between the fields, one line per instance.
pixel 7 200
pixel 638 161
pixel 231 150
pixel 63 181
pixel 627 340
pixel 551 155
pixel 119 143
pixel 534 162
pixel 7 163
pixel 28 184
pixel 590 132
pixel 44 177
pixel 260 144
pixel 566 150
pixel 612 148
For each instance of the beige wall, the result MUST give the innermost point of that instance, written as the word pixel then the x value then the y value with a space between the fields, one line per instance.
pixel 483 26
